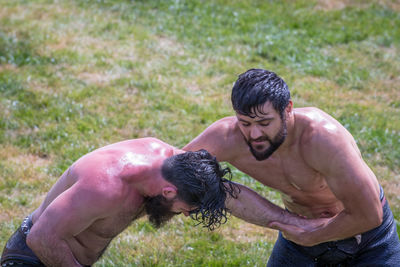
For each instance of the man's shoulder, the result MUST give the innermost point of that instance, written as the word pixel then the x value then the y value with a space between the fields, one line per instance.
pixel 137 143
pixel 310 115
pixel 225 130
pixel 225 123
pixel 111 153
pixel 220 139
pixel 319 132
pixel 312 122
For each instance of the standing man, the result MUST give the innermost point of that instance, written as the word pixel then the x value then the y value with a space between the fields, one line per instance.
pixel 316 165
pixel 104 191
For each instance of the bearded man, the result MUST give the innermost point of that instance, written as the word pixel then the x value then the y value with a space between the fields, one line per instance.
pixel 104 191
pixel 314 162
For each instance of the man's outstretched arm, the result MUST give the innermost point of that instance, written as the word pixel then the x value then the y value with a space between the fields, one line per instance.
pixel 253 208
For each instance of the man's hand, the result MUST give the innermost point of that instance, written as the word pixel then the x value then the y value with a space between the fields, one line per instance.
pixel 299 235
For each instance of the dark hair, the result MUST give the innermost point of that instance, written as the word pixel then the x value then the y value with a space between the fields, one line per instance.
pixel 200 183
pixel 254 88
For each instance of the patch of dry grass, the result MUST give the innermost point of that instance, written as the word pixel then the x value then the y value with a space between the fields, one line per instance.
pixel 113 70
pixel 328 5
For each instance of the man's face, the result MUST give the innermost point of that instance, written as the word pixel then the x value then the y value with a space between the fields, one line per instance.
pixel 179 206
pixel 161 210
pixel 264 132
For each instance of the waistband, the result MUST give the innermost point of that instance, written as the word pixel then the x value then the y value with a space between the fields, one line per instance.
pixel 26 225
pixel 25 228
pixel 16 252
pixel 382 195
pixel 351 245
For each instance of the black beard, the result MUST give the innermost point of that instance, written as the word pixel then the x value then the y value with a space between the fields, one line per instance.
pixel 158 209
pixel 274 144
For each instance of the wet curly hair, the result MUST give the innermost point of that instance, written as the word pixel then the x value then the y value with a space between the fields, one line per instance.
pixel 254 88
pixel 200 182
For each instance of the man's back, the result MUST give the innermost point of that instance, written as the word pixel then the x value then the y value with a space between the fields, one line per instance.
pixel 98 196
pixel 105 190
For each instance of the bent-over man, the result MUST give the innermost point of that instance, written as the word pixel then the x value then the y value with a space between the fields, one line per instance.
pixel 104 191
pixel 316 165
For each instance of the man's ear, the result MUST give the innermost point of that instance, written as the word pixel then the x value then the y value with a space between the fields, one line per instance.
pixel 288 110
pixel 169 192
pixel 289 107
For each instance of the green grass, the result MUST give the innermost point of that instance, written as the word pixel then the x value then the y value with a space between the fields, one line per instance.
pixel 76 75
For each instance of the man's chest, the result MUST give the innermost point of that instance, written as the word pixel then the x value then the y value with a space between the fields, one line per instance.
pixel 284 174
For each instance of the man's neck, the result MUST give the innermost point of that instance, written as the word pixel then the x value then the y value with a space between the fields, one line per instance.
pixel 290 137
pixel 150 181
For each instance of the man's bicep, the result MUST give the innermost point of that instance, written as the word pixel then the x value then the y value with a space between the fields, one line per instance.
pixel 200 142
pixel 346 174
pixel 355 186
pixel 69 213
pixel 211 140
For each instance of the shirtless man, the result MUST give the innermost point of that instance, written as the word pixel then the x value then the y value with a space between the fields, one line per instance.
pixel 314 162
pixel 104 191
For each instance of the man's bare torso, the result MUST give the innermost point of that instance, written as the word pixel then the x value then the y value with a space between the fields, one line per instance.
pixel 108 177
pixel 304 190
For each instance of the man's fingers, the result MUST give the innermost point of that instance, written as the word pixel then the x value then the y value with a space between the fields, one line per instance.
pixel 293 233
pixel 275 225
pixel 283 227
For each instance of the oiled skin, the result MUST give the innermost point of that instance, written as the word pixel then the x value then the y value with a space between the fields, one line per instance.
pixel 96 199
pixel 318 170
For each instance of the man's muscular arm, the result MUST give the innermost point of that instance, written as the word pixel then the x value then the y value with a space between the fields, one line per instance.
pixel 338 159
pixel 69 214
pixel 51 250
pixel 253 208
pixel 220 140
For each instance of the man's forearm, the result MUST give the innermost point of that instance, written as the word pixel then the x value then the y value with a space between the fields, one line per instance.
pixel 52 252
pixel 342 226
pixel 255 209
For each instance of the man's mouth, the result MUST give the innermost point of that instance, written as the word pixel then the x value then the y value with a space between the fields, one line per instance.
pixel 259 141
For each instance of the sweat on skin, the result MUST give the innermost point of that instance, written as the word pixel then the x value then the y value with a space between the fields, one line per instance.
pixel 104 191
pixel 304 153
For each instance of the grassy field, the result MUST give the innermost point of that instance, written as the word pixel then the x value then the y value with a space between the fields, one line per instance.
pixel 76 75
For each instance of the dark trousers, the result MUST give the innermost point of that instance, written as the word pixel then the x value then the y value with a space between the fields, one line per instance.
pixel 16 252
pixel 379 247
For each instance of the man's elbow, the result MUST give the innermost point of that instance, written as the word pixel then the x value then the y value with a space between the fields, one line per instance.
pixel 33 240
pixel 376 218
pixel 37 238
pixel 379 217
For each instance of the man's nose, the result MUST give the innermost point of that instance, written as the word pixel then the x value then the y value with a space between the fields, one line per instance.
pixel 255 132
